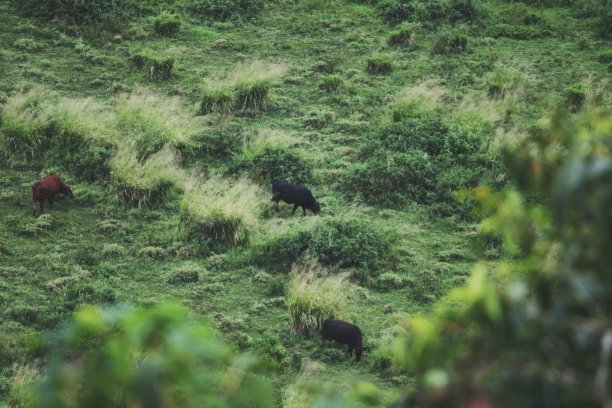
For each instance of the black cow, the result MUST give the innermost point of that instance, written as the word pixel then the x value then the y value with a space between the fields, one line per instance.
pixel 294 194
pixel 344 333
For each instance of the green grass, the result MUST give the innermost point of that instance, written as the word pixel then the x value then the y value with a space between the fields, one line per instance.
pixel 292 82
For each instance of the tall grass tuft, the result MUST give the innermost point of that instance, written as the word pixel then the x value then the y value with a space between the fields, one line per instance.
pixel 145 182
pixel 220 210
pixel 245 90
pixel 314 297
pixel 417 100
pixel 153 121
pixel 25 124
pixel 155 67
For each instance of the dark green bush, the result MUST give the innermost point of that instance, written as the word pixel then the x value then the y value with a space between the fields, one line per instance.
pixel 75 11
pixel 450 43
pixel 167 24
pixel 224 9
pixel 429 11
pixel 575 96
pixel 419 159
pixel 154 66
pixel 379 64
pixel 275 163
pixel 346 242
pixel 605 57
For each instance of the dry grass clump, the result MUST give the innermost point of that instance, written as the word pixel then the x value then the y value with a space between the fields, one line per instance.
pixel 84 117
pixel 25 122
pixel 23 390
pixel 155 67
pixel 271 138
pixel 244 90
pixel 221 210
pixel 152 121
pixel 418 100
pixel 314 296
pixel 145 182
pixel 478 113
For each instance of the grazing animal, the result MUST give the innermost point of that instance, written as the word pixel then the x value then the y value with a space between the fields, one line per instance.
pixel 294 194
pixel 345 333
pixel 47 189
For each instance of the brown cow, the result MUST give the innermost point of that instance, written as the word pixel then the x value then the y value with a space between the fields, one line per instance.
pixel 47 189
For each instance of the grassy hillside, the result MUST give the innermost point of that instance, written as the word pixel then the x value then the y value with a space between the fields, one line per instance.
pixel 170 138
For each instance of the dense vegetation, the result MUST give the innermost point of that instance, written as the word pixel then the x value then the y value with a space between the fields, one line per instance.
pixel 427 131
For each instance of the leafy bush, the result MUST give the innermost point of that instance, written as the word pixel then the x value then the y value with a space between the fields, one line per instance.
pixel 142 357
pixel 450 43
pixel 347 242
pixel 429 11
pixel 75 11
pixel 379 64
pixel 269 162
pixel 224 9
pixel 220 210
pixel 423 160
pixel 314 297
pixel 155 67
pixel 167 24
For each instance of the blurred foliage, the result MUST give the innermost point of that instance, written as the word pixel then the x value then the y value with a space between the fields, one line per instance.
pixel 147 358
pixel 533 330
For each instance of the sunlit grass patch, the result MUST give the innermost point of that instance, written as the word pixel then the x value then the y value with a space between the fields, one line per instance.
pixel 417 100
pixel 314 296
pixel 221 210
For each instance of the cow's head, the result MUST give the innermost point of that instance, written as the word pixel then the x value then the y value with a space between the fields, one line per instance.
pixel 316 208
pixel 67 191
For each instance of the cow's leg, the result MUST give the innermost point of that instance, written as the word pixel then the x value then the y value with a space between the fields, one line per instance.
pixel 42 204
pixel 34 206
pixel 51 202
pixel 350 351
pixel 294 208
pixel 304 211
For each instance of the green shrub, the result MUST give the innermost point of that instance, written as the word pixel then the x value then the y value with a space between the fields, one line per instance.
pixel 23 390
pixel 403 35
pixel 314 297
pixel 575 97
pixel 429 11
pixel 421 160
pixel 390 281
pixel 39 225
pixel 276 286
pixel 224 9
pixel 167 24
pixel 184 275
pixel 147 357
pixel 155 67
pixel 267 163
pixel 331 83
pixel 325 67
pixel 347 242
pixel 318 118
pixel 379 64
pixel 220 210
pixel 450 43
pixel 75 11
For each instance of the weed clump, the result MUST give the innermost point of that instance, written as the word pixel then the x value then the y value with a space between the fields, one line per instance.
pixel 331 83
pixel 223 10
pixel 314 297
pixel 245 90
pixel 403 35
pixel 418 100
pixel 429 11
pixel 220 210
pixel 450 43
pixel 155 67
pixel 75 11
pixel 271 156
pixel 379 64
pixel 167 24
pixel 145 182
